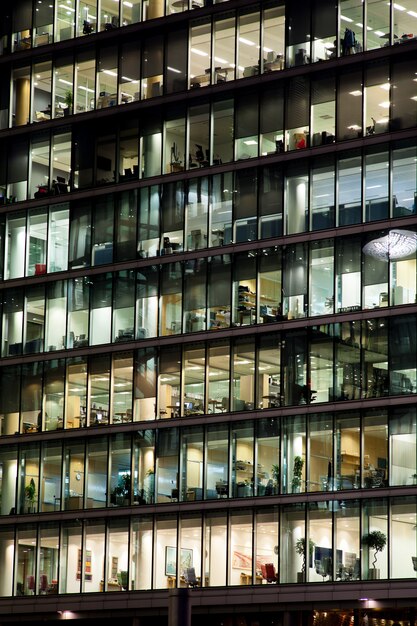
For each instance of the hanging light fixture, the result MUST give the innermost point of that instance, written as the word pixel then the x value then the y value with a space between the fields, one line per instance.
pixel 397 244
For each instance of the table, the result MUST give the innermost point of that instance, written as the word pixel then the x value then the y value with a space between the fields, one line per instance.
pixel 273 401
pixel 221 73
pixel 174 410
pixel 180 4
pixel 272 66
pixel 123 417
pixel 215 404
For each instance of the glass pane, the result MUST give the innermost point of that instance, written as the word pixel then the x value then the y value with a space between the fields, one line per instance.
pixel 74 472
pixel 374 472
pixel 50 492
pixel 58 237
pixel 70 544
pixel 216 550
pixel 96 477
pixel 268 457
pixel 248 44
pixel 141 552
pixel 347 451
pixel 219 375
pixel 217 467
pixel 240 548
pixel 118 559
pixel 93 545
pixel 348 547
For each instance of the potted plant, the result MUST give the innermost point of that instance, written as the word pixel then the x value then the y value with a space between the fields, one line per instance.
pixel 121 491
pixel 296 474
pixel 300 548
pixel 376 540
pixel 30 495
pixel 68 102
pixel 149 485
pixel 123 580
pixel 275 476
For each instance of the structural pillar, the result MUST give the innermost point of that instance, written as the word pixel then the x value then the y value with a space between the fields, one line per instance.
pixel 156 9
pixel 179 607
pixel 22 101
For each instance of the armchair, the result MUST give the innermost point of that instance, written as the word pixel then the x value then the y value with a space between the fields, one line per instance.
pixel 268 573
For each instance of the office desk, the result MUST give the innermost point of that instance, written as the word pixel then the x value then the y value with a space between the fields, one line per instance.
pixel 246 579
pixel 111 586
pixel 201 79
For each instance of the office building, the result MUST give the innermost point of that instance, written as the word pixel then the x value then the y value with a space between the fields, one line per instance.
pixel 208 312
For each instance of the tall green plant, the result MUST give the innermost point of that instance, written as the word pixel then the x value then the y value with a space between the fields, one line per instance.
pixel 300 548
pixel 297 473
pixel 375 540
pixel 30 492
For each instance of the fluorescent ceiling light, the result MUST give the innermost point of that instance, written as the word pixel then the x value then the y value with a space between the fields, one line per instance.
pixel 379 33
pixel 357 92
pixel 384 105
pixel 399 7
pixel 385 86
pixel 129 5
pixel 398 244
pixel 63 6
pixel 220 60
pixel 374 186
pixel 173 69
pixel 345 19
pixel 86 89
pixel 412 13
pixel 359 24
pixel 130 80
pixel 414 98
pixel 199 52
pixel 250 142
pixel 66 82
pixel 246 41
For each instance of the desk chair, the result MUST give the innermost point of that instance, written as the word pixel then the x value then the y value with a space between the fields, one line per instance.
pixel 414 560
pixel 268 573
pixel 190 577
pixel 322 567
pixel 221 489
pixel 87 28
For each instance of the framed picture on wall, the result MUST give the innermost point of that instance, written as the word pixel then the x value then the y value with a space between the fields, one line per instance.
pixel 88 575
pixel 241 559
pixel 186 560
pixel 114 566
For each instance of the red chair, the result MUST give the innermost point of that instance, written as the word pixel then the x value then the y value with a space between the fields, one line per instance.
pixel 40 268
pixel 43 583
pixel 268 573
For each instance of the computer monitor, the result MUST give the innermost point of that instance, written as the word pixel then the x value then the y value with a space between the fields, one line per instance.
pixel 199 154
pixel 188 406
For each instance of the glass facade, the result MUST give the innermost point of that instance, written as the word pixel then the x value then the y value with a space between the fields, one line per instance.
pixel 208 351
